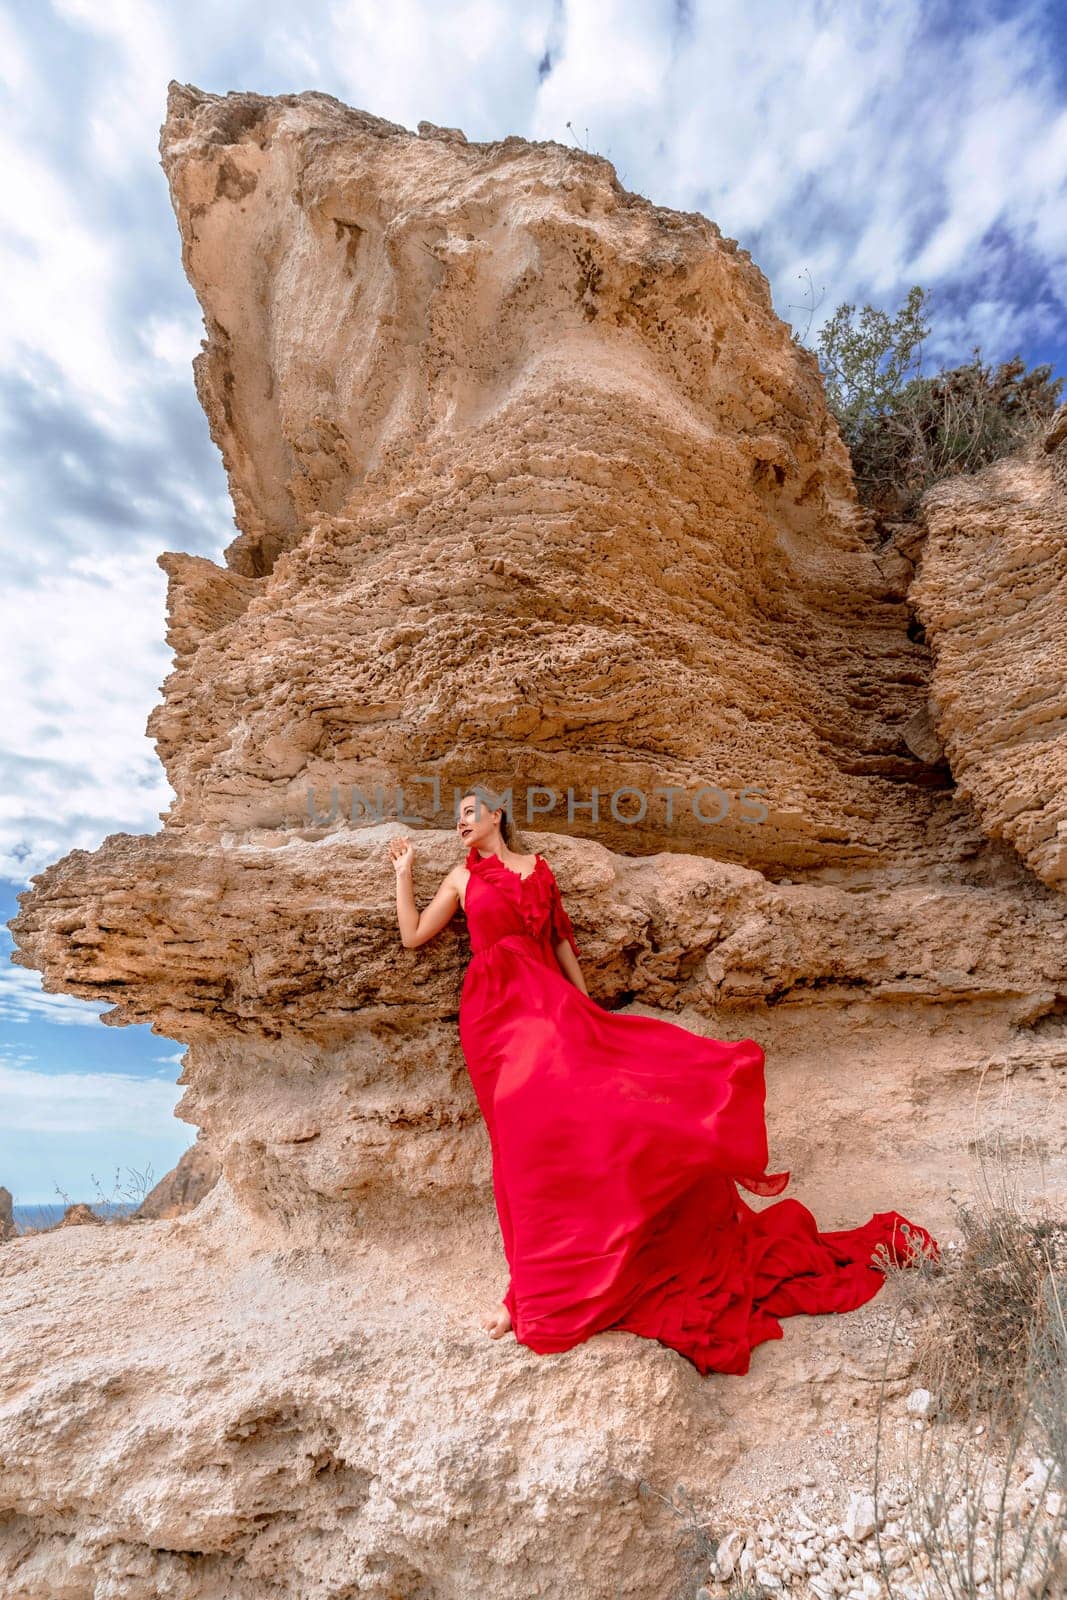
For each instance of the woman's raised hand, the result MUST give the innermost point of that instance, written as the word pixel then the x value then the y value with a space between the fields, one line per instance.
pixel 402 855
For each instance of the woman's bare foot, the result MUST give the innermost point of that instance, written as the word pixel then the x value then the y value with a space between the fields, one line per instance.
pixel 498 1321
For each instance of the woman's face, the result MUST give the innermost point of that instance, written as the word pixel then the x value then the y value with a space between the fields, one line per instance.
pixel 476 824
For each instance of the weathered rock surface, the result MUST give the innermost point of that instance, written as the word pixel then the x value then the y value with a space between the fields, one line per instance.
pixel 80 1215
pixel 533 487
pixel 184 1186
pixel 204 1412
pixel 992 595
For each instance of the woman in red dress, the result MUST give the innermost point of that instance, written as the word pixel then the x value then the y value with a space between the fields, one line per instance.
pixel 618 1141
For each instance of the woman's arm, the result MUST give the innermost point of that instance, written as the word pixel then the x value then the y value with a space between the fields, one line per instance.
pixel 416 929
pixel 562 933
pixel 569 962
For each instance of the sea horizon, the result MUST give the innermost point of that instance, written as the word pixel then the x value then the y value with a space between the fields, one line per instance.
pixel 48 1212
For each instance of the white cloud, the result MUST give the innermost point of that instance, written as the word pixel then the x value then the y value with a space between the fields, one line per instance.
pixel 468 64
pixel 173 341
pixel 85 1102
pixel 592 83
pixel 14 1058
pixel 83 662
pixel 138 47
pixel 15 72
pixel 875 145
pixel 23 1000
pixel 59 281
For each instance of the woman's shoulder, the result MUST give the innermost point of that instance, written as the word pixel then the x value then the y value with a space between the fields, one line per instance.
pixel 456 877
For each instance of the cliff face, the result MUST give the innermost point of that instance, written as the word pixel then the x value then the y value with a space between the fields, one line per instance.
pixel 992 594
pixel 533 488
pixel 533 484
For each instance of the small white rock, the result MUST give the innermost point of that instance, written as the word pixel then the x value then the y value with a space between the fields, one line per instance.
pixel 919 1402
pixel 727 1554
pixel 860 1518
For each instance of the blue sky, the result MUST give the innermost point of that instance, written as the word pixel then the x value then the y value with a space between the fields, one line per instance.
pixel 871 146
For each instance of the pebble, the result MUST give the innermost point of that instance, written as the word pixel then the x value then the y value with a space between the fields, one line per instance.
pixel 860 1518
pixel 727 1554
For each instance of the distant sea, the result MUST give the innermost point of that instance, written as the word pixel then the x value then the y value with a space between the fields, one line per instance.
pixel 44 1215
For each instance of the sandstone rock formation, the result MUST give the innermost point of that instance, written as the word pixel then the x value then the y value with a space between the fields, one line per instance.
pixel 992 596
pixel 533 483
pixel 184 1186
pixel 79 1215
pixel 533 488
pixel 8 1229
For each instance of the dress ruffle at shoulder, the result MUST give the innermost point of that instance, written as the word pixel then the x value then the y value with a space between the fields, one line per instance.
pixel 540 904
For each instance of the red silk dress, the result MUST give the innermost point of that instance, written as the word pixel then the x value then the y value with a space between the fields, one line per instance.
pixel 618 1143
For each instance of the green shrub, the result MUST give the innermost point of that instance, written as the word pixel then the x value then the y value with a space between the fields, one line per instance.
pixel 906 432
